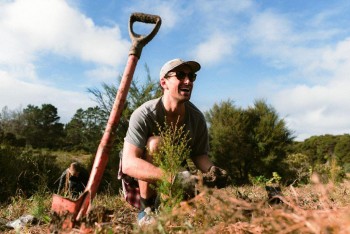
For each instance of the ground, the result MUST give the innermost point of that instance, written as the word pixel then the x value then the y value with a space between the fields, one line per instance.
pixel 313 208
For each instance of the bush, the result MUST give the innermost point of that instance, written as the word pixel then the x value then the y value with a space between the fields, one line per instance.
pixel 26 171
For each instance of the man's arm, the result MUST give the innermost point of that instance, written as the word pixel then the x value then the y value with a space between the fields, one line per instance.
pixel 61 182
pixel 133 165
pixel 202 162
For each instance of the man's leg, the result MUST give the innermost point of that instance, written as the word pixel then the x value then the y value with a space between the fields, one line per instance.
pixel 147 194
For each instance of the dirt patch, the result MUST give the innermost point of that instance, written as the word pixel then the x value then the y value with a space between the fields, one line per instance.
pixel 100 219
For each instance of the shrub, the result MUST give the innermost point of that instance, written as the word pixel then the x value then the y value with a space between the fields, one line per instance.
pixel 26 171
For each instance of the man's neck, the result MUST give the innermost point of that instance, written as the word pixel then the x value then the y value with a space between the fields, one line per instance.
pixel 175 111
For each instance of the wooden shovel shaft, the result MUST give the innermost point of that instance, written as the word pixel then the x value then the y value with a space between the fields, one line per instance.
pixel 105 146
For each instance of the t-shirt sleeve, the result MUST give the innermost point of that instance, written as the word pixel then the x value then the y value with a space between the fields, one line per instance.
pixel 137 133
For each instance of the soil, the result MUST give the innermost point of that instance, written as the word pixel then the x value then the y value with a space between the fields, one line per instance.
pixel 98 219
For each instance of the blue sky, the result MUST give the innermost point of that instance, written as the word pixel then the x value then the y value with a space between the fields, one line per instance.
pixel 293 54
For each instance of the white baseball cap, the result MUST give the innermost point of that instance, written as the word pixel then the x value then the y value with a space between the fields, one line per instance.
pixel 172 64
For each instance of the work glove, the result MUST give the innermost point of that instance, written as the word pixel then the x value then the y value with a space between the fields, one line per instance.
pixel 216 177
pixel 187 182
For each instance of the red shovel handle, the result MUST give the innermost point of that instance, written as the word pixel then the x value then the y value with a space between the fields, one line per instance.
pixel 101 158
pixel 139 41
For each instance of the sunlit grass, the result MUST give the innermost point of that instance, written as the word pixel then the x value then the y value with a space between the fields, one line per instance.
pixel 313 208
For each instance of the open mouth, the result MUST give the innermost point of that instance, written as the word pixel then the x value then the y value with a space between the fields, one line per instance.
pixel 185 89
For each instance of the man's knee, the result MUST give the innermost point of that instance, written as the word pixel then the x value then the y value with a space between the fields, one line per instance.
pixel 153 144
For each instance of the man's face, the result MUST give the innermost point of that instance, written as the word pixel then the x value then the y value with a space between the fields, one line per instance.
pixel 178 83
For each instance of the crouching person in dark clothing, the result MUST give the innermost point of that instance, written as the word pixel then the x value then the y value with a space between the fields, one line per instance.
pixel 73 180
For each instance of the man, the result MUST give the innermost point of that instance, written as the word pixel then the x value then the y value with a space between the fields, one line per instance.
pixel 136 169
pixel 72 182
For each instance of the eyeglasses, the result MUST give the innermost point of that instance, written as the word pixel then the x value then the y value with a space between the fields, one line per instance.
pixel 180 75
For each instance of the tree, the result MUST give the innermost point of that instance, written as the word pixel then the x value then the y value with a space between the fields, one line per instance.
pixel 320 149
pixel 249 142
pixel 342 151
pixel 41 126
pixel 328 155
pixel 228 139
pixel 12 126
pixel 85 129
pixel 270 138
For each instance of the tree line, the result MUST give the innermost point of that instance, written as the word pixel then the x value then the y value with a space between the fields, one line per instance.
pixel 250 143
pixel 255 142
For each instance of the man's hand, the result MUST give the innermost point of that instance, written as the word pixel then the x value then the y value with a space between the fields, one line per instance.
pixel 216 177
pixel 187 182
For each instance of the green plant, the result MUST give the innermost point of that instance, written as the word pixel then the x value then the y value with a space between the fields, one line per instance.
pixel 39 207
pixel 276 179
pixel 258 180
pixel 336 172
pixel 172 152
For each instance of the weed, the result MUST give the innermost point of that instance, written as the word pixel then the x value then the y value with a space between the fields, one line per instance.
pixel 39 207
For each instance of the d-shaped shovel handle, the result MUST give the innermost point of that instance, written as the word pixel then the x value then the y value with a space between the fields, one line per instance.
pixel 138 40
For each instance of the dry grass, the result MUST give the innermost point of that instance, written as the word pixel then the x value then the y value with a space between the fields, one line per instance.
pixel 308 209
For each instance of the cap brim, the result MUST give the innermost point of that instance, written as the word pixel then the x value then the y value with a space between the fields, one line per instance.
pixel 192 64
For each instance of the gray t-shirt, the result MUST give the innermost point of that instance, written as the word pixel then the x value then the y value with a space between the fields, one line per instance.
pixel 143 124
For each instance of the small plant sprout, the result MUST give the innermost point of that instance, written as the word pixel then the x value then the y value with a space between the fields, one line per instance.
pixel 172 153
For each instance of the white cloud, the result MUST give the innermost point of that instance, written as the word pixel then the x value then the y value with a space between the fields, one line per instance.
pixel 171 12
pixel 336 59
pixel 32 28
pixel 170 18
pixel 103 73
pixel 15 93
pixel 321 102
pixel 272 38
pixel 275 39
pixel 315 110
pixel 312 109
pixel 52 25
pixel 323 107
pixel 217 8
pixel 215 48
pixel 25 71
